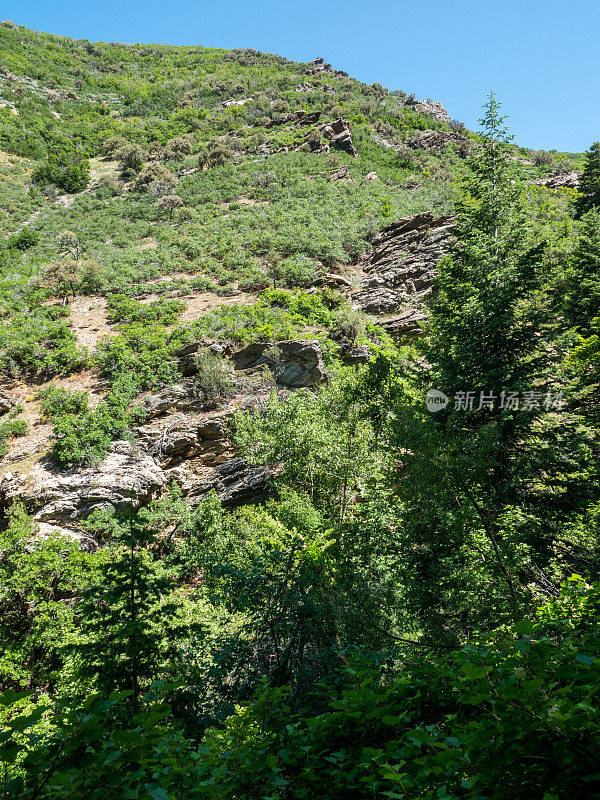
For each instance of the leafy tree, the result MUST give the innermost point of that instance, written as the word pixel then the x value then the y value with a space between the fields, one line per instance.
pixel 467 469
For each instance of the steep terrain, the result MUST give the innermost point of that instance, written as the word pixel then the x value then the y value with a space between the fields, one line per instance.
pixel 260 172
pixel 299 436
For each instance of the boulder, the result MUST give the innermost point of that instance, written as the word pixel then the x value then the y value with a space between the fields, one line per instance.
pixel 177 397
pixel 5 403
pixel 186 356
pixel 334 134
pixel 333 281
pixel 436 141
pixel 355 355
pixel 339 174
pixel 406 325
pixel 295 364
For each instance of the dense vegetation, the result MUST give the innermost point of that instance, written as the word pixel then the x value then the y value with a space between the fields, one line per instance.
pixel 413 611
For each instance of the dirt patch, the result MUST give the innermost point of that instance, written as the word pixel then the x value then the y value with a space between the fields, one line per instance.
pixel 89 320
pixel 199 304
pixel 148 244
pixel 65 200
pixel 99 167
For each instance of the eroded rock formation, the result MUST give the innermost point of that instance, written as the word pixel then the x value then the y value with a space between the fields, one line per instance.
pixel 560 180
pixel 402 265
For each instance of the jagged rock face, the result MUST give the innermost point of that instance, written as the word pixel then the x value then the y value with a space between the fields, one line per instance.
pixel 296 364
pixel 401 268
pixel 234 481
pixel 179 442
pixel 435 110
pixel 337 135
pixel 185 436
pixel 126 478
pixel 406 325
pixel 560 180
pixel 436 141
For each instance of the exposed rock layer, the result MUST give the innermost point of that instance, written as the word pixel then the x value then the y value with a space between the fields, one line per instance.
pixel 401 268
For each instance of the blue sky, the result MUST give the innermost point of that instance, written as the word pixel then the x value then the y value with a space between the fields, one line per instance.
pixel 541 58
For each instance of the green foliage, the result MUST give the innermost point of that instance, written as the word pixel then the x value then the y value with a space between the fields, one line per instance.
pixel 67 169
pixel 582 284
pixel 589 186
pixel 24 240
pixel 213 374
pixel 82 435
pixel 126 310
pixel 461 728
pixel 352 633
pixel 143 353
pixel 126 631
pixel 8 429
pixel 40 343
pixel 38 579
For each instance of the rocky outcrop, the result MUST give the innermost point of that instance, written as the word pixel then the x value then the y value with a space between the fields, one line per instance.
pixel 436 141
pixel 401 268
pixel 355 355
pixel 318 65
pixel 185 436
pixel 406 325
pixel 333 281
pixel 186 356
pixel 234 481
pixel 560 180
pixel 126 478
pixel 337 135
pixel 431 109
pixel 178 397
pixel 197 453
pixel 295 364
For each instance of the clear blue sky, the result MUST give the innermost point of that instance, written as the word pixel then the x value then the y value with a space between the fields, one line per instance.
pixel 540 56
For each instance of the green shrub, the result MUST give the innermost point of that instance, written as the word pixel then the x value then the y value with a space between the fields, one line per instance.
pixel 24 240
pixel 143 352
pixel 214 374
pixel 8 429
pixel 127 310
pixel 67 169
pixel 83 435
pixel 37 343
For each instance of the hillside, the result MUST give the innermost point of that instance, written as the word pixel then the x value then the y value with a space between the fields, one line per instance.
pixel 227 283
